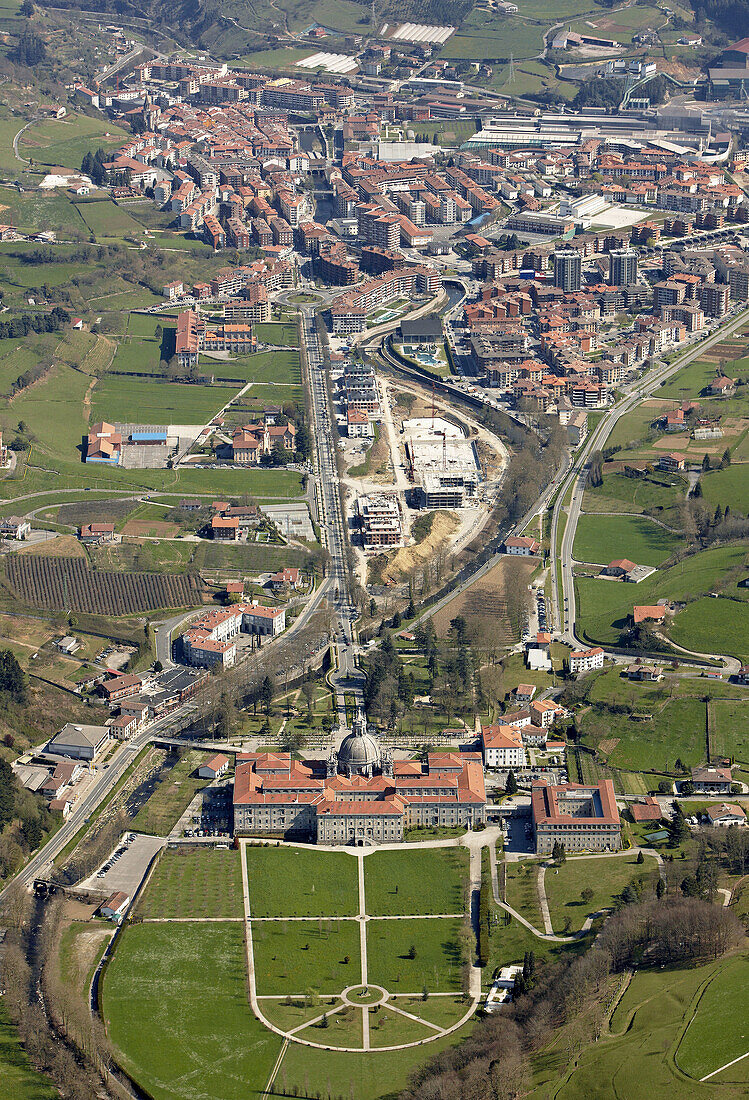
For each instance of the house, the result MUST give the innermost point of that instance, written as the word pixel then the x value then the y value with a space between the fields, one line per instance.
pixel 115 907
pixel 96 533
pixel 523 694
pixel 15 527
pixel 522 545
pixel 287 576
pixel 742 676
pixel 123 726
pixel 646 809
pixel 119 687
pixel 544 712
pixel 620 567
pixel 502 747
pixel 68 645
pixel 214 768
pixel 234 588
pixel 63 805
pixel 722 387
pixel 673 462
pixel 650 674
pixel 79 742
pixel 225 528
pixel 711 780
pixel 648 613
pixel 728 813
pixel 358 425
pixel 583 660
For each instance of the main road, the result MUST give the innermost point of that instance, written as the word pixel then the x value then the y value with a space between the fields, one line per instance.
pixel 564 613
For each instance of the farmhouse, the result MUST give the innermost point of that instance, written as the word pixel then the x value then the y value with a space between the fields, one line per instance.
pixel 625 570
pixel 582 818
pixel 711 780
pixel 15 527
pixel 502 747
pixel 647 809
pixel 115 907
pixel 96 533
pixel 522 545
pixel 672 462
pixel 648 613
pixel 651 674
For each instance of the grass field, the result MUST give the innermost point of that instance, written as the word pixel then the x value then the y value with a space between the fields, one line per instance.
pixel 522 892
pixel 292 957
pixel 601 539
pixel 106 219
pixel 18 1080
pixel 729 486
pixel 634 1062
pixel 717 1034
pixel 489 36
pixel 172 795
pixel 64 142
pixel 603 606
pixel 713 626
pixel 280 333
pixel 130 400
pixel 658 492
pixel 159 981
pixel 437 960
pixel 675 730
pixel 730 724
pixel 606 877
pixel 280 367
pixel 194 882
pixel 300 882
pixel 394 882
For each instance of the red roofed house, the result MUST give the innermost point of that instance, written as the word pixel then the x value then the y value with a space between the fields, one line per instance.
pixel 287 576
pixel 502 747
pixel 581 817
pixel 214 768
pixel 620 567
pixel 583 660
pixel 648 809
pixel 115 907
pixel 645 613
pixel 522 545
pixel 96 533
pixel 674 461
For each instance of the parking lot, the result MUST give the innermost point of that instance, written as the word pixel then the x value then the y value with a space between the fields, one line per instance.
pixel 126 866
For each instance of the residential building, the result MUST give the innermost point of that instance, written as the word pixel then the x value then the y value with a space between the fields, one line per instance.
pixel 623 267
pixel 522 546
pixel 583 660
pixel 711 780
pixel 502 746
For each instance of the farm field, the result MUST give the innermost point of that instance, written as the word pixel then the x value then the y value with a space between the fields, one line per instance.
pixel 601 539
pixel 658 492
pixel 166 973
pixel 634 1062
pixel 59 583
pixel 729 486
pixel 178 784
pixel 668 731
pixel 394 881
pixel 706 625
pixel 603 606
pixel 193 882
pixel 127 400
pixel 606 876
pixel 105 219
pixel 301 882
pixel 491 36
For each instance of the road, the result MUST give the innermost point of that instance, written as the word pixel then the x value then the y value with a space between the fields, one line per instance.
pixel 346 677
pixel 576 478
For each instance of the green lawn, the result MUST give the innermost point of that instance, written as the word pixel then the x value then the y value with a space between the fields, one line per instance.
pixel 430 880
pixel 106 219
pixel 437 962
pixel 129 400
pixel 601 539
pixel 64 142
pixel 729 486
pixel 658 492
pixel 688 384
pixel 172 795
pixel 717 1033
pixel 280 367
pixel 521 890
pixel 713 626
pixel 675 730
pixel 280 333
pixel 194 882
pixel 294 957
pixel 486 36
pixel 301 882
pixel 18 1080
pixel 175 1001
pixel 730 722
pixel 605 876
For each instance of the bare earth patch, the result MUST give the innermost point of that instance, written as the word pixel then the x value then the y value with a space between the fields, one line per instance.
pixel 158 528
pixel 488 597
pixel 64 546
pixel 407 559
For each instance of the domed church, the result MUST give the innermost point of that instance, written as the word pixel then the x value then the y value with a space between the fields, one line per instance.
pixel 359 754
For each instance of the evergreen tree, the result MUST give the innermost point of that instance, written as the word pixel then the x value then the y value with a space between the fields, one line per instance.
pixel 511 784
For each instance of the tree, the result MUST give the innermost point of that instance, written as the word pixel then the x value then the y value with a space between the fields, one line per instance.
pixel 696 492
pixel 411 953
pixel 511 784
pixel 587 895
pixel 12 678
pixel 678 831
pixel 726 459
pixel 266 694
pixel 640 858
pixel 660 888
pixel 705 463
pixel 558 853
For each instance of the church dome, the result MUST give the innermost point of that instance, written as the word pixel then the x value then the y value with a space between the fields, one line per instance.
pixel 359 751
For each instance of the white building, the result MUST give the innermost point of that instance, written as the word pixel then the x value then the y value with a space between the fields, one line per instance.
pixel 502 747
pixel 583 660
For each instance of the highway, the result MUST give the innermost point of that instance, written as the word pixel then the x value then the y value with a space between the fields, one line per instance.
pixel 565 621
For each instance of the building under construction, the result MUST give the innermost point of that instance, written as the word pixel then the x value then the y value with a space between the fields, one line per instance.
pixel 441 462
